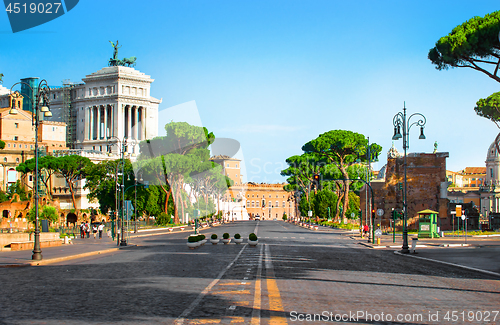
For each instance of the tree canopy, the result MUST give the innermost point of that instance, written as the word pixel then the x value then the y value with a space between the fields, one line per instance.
pixel 178 159
pixel 473 44
pixel 335 156
pixel 489 108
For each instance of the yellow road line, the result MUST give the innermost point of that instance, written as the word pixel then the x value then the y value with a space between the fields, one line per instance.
pixel 257 300
pixel 275 302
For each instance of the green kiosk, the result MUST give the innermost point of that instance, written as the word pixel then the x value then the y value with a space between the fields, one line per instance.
pixel 427 224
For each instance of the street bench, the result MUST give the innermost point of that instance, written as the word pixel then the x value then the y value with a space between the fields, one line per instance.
pixel 17 246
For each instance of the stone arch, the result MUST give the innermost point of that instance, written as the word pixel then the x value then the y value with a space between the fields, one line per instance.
pixel 71 218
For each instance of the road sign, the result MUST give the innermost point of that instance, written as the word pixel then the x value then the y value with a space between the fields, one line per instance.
pixel 353 215
pixel 378 233
pixel 463 217
pixel 458 210
pixel 380 212
pixel 128 209
pixel 309 213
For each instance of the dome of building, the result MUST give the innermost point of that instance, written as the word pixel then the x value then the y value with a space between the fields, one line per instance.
pixel 492 153
pixel 393 152
pixel 492 165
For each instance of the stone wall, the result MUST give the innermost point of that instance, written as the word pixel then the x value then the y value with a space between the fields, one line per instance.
pixel 426 179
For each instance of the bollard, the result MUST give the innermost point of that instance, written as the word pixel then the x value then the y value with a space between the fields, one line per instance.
pixel 378 240
pixel 413 244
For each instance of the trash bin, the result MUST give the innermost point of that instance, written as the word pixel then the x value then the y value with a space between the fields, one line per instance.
pixel 413 245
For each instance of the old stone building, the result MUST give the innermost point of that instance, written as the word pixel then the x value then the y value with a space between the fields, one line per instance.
pixel 18 133
pixel 427 188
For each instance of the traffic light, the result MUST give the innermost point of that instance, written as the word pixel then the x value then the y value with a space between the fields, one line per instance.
pixel 316 181
pixel 373 214
pixel 360 213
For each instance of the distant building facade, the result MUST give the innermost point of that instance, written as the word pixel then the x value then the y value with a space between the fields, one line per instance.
pixel 249 200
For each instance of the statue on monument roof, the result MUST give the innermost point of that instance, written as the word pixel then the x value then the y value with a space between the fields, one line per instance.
pixel 114 61
pixel 115 50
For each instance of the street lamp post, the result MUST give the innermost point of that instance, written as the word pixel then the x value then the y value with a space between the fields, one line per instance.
pixel 400 121
pixel 121 239
pixel 41 105
pixel 368 177
pixel 135 185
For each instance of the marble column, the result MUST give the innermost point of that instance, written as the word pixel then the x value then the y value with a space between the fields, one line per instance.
pixel 105 121
pixel 143 122
pixel 99 122
pixel 129 122
pixel 91 124
pixel 136 123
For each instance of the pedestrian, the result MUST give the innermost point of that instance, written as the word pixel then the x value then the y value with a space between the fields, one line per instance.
pixel 365 229
pixel 94 230
pixel 82 230
pixel 100 228
pixel 87 229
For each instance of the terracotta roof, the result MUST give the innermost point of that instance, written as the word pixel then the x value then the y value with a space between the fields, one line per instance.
pixel 474 170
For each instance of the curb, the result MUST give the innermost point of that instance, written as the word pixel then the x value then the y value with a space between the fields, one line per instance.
pixel 451 264
pixel 59 259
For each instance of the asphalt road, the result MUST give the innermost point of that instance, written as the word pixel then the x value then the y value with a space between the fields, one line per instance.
pixel 294 276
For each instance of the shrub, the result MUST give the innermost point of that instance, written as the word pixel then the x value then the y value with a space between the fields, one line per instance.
pixel 252 237
pixel 237 236
pixel 202 236
pixel 214 236
pixel 163 219
pixel 193 239
pixel 225 235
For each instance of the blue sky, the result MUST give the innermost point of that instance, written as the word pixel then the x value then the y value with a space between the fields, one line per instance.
pixel 276 74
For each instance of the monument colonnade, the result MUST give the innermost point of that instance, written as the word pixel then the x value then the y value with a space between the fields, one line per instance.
pixel 103 121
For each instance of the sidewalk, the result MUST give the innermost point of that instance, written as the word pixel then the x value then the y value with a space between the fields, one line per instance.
pixel 79 248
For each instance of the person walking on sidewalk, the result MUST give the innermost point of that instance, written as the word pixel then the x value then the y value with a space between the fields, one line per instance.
pixel 87 229
pixel 82 230
pixel 366 229
pixel 100 228
pixel 94 230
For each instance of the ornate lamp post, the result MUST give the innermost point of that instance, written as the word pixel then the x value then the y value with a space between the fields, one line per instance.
pixel 370 156
pixel 41 105
pixel 122 241
pixel 400 121
pixel 140 183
